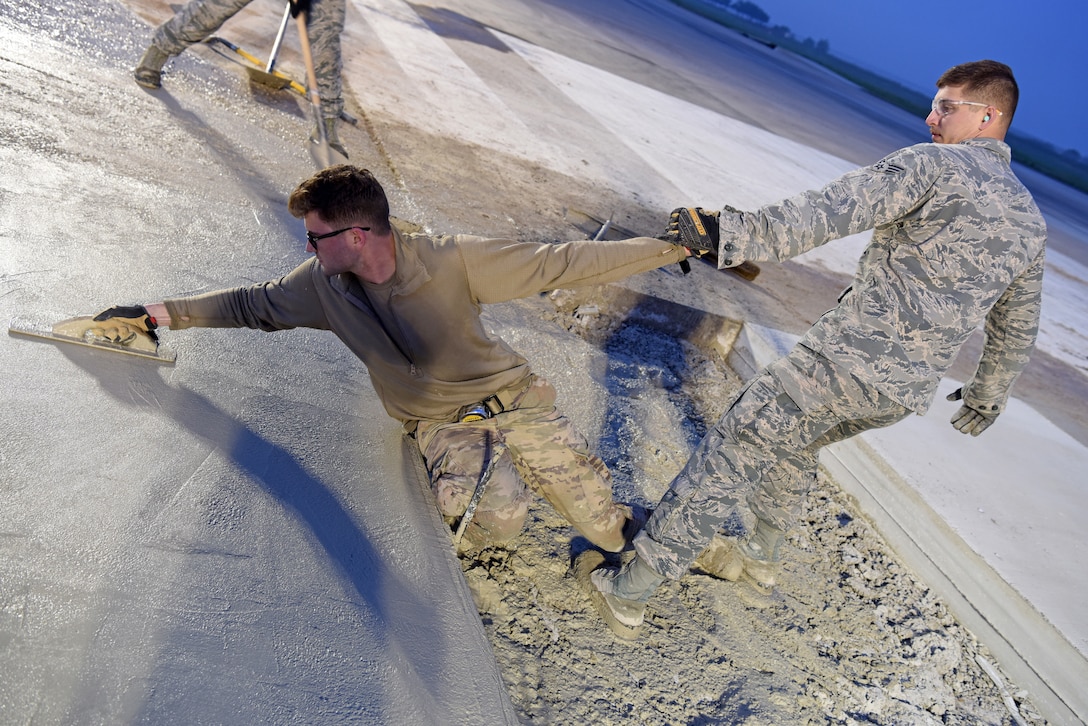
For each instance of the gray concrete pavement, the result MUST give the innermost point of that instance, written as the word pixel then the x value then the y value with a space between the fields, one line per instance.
pixel 244 537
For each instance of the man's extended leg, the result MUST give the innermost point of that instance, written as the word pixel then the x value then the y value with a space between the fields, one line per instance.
pixel 554 458
pixel 456 456
pixel 324 27
pixel 191 24
pixel 762 426
pixel 783 415
pixel 757 558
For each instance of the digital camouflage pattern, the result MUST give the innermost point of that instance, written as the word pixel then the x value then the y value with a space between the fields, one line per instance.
pixel 957 241
pixel 543 451
pixel 762 455
pixel 198 19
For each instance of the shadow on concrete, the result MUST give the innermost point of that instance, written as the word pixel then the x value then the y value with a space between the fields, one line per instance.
pixel 344 540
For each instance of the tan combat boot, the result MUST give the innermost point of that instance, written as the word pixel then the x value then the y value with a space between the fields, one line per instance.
pixel 619 594
pixel 148 72
pixel 756 561
pixel 332 135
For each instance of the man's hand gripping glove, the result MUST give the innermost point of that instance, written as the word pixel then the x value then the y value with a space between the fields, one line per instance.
pixel 299 6
pixel 970 420
pixel 122 324
pixel 694 228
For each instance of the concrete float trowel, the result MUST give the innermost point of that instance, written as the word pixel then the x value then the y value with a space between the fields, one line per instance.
pixel 85 330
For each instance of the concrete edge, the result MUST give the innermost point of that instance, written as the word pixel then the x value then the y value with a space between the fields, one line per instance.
pixel 498 707
pixel 1029 649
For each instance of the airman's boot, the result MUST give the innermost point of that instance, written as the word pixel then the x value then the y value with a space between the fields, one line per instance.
pixel 148 72
pixel 618 593
pixel 332 135
pixel 756 560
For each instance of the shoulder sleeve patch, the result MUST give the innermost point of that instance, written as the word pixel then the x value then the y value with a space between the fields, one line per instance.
pixel 884 166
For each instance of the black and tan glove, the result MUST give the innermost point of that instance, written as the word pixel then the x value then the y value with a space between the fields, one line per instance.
pixel 971 420
pixel 120 324
pixel 694 228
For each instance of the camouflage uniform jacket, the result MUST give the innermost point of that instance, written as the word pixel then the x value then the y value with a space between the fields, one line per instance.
pixel 420 334
pixel 957 242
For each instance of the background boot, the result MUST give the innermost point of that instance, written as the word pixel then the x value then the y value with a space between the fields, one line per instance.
pixel 721 559
pixel 148 72
pixel 332 135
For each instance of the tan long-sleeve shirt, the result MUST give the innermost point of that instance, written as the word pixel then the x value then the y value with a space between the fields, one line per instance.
pixel 420 334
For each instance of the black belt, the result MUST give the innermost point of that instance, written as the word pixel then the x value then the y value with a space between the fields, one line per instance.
pixel 493 405
pixel 490 406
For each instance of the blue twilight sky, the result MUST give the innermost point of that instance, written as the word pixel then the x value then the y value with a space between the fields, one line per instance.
pixel 914 42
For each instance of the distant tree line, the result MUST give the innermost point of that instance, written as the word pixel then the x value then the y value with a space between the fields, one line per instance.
pixel 753 11
pixel 757 14
pixel 746 17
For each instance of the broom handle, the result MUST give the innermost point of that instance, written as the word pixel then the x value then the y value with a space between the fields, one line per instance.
pixel 311 76
pixel 279 38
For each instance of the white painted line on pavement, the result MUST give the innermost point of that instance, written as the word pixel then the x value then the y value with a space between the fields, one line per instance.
pixel 446 97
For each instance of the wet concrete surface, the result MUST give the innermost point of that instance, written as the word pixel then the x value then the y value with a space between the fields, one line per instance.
pixel 193 543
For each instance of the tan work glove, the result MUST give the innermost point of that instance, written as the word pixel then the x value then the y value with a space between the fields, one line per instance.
pixel 970 420
pixel 120 324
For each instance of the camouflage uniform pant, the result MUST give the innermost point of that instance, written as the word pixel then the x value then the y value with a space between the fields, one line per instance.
pixel 543 450
pixel 197 20
pixel 763 452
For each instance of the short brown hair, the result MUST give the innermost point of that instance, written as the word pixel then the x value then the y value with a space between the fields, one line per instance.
pixel 988 81
pixel 342 195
